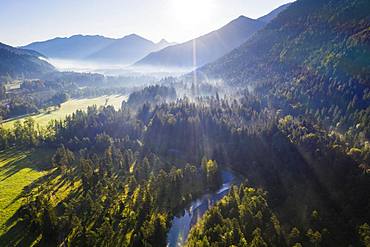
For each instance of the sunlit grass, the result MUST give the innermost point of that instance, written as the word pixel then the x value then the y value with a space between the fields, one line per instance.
pixel 22 172
pixel 71 106
pixel 18 169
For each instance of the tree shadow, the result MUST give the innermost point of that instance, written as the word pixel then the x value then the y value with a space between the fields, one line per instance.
pixel 27 190
pixel 20 232
pixel 18 235
pixel 14 160
pixel 18 159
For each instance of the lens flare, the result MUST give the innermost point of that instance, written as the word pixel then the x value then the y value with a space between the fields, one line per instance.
pixel 191 12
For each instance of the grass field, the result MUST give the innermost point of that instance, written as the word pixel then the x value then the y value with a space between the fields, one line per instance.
pixel 21 172
pixel 71 106
pixel 18 169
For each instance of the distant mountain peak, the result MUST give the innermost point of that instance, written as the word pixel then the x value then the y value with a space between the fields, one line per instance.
pixel 243 17
pixel 133 36
pixel 209 46
pixel 86 36
pixel 162 41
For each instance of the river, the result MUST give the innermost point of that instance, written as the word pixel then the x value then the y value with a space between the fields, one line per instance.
pixel 181 225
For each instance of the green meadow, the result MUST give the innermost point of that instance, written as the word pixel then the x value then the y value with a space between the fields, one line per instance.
pixel 70 107
pixel 19 169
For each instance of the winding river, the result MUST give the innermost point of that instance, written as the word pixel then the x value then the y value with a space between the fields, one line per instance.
pixel 181 225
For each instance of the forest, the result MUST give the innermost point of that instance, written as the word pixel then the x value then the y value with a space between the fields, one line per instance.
pixel 287 114
pixel 130 171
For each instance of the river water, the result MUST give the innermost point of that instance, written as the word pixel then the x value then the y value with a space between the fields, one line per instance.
pixel 181 225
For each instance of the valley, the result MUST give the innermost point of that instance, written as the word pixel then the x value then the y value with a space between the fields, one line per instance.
pixel 252 132
pixel 69 107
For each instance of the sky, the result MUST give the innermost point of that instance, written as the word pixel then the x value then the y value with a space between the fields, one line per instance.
pixel 26 21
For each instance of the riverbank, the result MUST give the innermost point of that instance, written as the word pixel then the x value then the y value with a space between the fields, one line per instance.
pixel 182 224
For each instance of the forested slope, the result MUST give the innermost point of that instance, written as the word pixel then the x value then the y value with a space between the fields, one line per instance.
pixel 16 62
pixel 129 173
pixel 314 58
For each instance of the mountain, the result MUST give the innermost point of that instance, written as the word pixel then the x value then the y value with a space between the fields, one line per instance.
pixel 75 47
pixel 163 44
pixel 208 47
pixel 126 50
pixel 19 51
pixel 98 48
pixel 311 36
pixel 211 46
pixel 273 14
pixel 314 58
pixel 22 62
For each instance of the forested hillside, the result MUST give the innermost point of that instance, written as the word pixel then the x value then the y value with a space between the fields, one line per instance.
pixel 313 59
pixel 129 173
pixel 20 63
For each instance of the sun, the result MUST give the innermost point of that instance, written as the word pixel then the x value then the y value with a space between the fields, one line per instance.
pixel 191 13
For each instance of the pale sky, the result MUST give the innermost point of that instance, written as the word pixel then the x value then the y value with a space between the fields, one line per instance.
pixel 26 21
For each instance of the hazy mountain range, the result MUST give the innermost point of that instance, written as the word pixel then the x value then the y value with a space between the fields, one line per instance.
pixel 136 49
pixel 207 47
pixel 126 50
pixel 98 48
pixel 27 61
pixel 211 46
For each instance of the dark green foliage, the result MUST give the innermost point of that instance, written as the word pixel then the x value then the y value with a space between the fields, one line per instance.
pixel 364 233
pixel 313 59
pixel 22 63
pixel 152 95
pixel 242 218
pixel 63 157
pixel 119 154
pixel 18 106
pixel 2 91
pixel 302 136
pixel 127 195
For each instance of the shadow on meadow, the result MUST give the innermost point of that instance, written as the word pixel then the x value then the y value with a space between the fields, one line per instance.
pixel 12 161
pixel 18 159
pixel 20 232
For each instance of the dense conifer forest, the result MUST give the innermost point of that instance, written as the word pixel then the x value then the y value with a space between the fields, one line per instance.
pixel 288 112
pixel 130 172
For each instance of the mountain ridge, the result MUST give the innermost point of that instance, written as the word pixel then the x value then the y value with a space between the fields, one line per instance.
pixel 124 50
pixel 209 46
pixel 73 47
pixel 291 32
pixel 92 47
pixel 313 58
pixel 16 62
pixel 273 14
